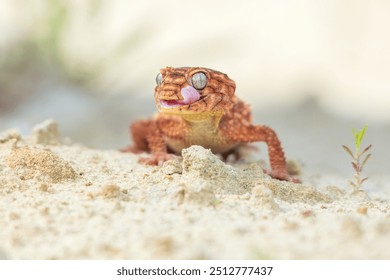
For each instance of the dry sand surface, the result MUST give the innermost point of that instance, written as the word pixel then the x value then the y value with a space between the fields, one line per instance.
pixel 66 201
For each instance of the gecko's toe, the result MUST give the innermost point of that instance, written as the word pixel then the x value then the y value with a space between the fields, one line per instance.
pixel 281 175
pixel 157 159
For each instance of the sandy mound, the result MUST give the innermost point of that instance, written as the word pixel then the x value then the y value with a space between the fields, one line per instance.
pixel 67 201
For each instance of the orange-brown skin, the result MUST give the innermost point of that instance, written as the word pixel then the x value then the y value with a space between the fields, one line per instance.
pixel 218 121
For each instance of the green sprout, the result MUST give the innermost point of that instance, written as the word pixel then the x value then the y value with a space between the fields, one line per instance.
pixel 357 162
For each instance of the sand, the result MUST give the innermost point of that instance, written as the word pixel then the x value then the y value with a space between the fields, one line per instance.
pixel 65 201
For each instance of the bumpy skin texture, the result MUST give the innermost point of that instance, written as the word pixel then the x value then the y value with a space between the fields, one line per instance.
pixel 212 117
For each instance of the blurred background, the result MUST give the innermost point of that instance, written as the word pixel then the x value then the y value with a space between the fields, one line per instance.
pixel 311 69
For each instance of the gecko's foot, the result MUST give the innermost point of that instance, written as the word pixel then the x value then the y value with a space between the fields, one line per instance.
pixel 157 159
pixel 281 175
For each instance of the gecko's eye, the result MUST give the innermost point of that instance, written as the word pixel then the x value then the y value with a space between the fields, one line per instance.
pixel 199 80
pixel 159 79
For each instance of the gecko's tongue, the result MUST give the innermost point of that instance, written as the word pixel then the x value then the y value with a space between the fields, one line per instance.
pixel 190 95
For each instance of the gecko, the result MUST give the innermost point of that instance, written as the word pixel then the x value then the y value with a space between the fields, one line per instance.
pixel 198 106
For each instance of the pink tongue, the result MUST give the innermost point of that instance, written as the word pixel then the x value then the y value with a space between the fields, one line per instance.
pixel 190 95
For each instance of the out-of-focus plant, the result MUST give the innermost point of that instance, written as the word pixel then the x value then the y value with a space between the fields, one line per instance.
pixel 71 40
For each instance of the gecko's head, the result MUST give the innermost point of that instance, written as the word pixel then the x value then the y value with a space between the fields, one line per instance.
pixel 193 90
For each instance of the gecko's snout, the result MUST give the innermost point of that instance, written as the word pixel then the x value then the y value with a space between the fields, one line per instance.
pixel 189 95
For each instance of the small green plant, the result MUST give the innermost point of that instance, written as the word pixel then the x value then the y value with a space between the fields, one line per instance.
pixel 357 162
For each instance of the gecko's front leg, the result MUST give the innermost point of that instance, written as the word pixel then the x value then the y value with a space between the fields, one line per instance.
pixel 148 137
pixel 238 132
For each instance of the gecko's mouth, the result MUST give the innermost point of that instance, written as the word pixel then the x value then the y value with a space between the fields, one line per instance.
pixel 190 95
pixel 171 103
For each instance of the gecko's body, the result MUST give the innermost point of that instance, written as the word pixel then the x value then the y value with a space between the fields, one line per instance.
pixel 197 106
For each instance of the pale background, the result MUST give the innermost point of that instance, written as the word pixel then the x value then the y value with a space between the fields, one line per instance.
pixel 310 69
